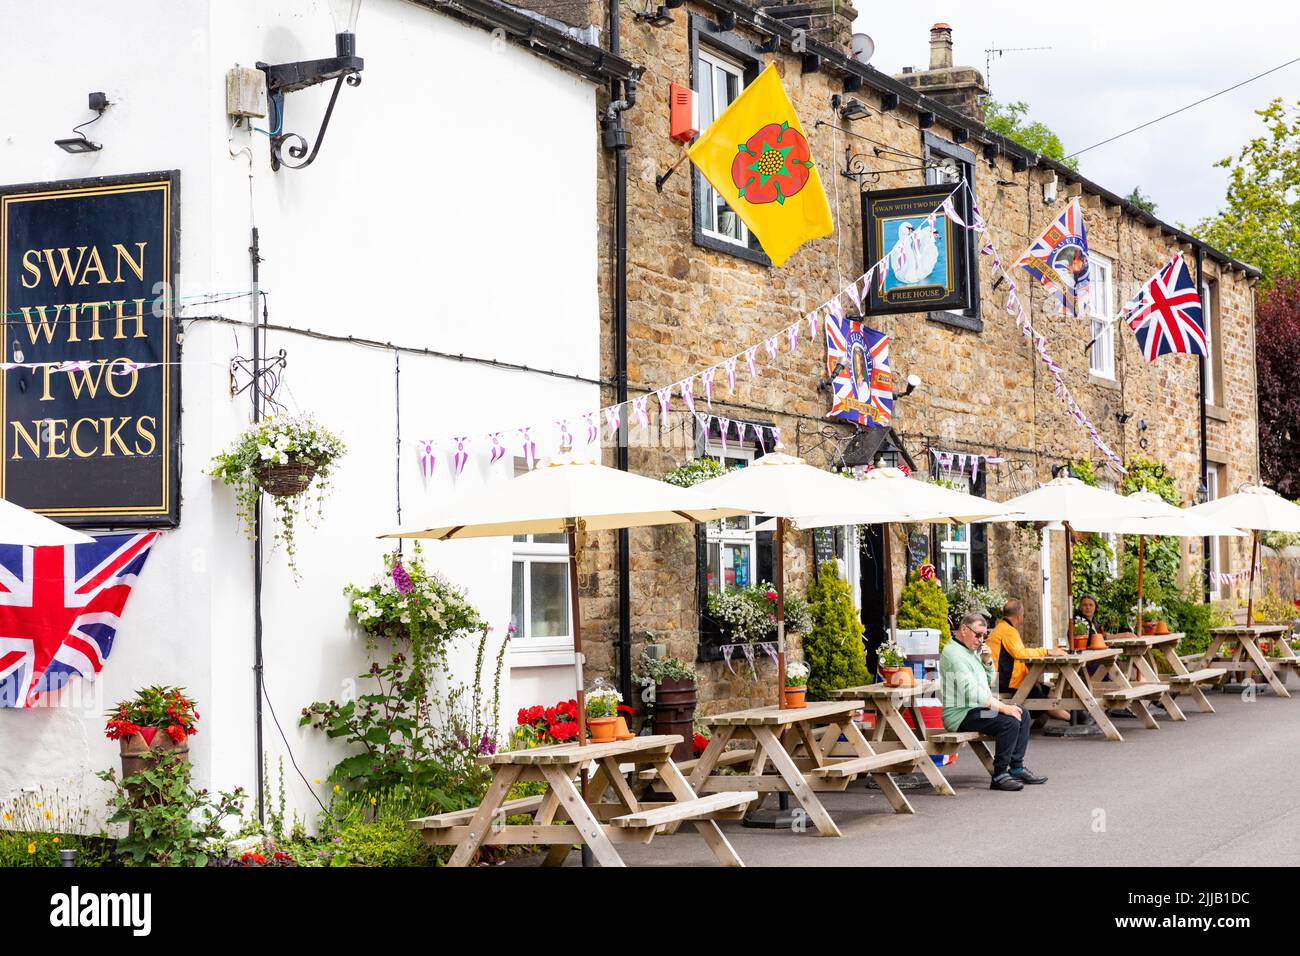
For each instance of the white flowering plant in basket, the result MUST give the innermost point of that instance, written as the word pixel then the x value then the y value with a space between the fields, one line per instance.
pixel 285 456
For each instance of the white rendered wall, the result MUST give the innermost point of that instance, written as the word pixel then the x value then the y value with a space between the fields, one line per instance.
pixel 452 207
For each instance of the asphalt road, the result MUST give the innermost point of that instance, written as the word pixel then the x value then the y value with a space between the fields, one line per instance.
pixel 1219 789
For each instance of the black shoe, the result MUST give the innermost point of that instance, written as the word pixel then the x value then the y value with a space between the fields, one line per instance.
pixel 1005 781
pixel 1025 775
pixel 1121 713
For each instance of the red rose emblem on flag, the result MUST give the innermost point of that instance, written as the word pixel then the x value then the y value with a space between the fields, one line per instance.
pixel 772 165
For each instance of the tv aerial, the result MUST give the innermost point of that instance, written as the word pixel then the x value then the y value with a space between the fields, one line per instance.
pixel 998 51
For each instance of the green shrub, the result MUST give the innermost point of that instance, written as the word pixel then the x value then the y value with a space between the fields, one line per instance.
pixel 923 604
pixel 372 830
pixel 833 648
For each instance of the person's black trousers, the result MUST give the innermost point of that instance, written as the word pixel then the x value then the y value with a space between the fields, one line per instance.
pixel 1012 735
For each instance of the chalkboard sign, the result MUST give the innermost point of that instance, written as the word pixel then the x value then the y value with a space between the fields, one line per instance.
pixel 91 379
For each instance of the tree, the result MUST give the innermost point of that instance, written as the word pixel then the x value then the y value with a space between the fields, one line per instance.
pixel 1145 203
pixel 1260 221
pixel 833 649
pixel 1277 358
pixel 1012 121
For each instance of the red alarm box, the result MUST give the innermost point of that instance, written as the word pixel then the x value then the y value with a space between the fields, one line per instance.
pixel 683 113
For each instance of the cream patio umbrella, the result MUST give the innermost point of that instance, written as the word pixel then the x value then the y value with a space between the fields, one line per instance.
pixel 896 498
pixel 571 496
pixel 793 491
pixel 1078 507
pixel 1166 521
pixel 1254 508
pixel 23 527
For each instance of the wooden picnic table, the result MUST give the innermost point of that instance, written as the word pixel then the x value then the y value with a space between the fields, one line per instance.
pixel 1247 657
pixel 790 757
pixel 598 823
pixel 1073 688
pixel 1141 653
pixel 889 704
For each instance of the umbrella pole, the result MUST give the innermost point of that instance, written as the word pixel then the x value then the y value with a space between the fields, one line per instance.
pixel 1250 588
pixel 889 583
pixel 1141 561
pixel 1069 585
pixel 780 613
pixel 571 531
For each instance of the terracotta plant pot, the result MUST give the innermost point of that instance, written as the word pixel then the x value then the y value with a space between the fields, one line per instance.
pixel 140 751
pixel 905 677
pixel 1148 628
pixel 894 676
pixel 796 697
pixel 283 481
pixel 1162 627
pixel 620 729
pixel 1096 642
pixel 1078 642
pixel 602 729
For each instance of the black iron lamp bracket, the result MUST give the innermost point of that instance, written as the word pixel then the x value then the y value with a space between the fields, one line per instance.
pixel 282 78
pixel 856 167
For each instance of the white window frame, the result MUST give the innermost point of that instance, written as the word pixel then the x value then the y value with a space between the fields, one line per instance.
pixel 716 533
pixel 715 63
pixel 1214 555
pixel 947 546
pixel 1101 357
pixel 524 648
pixel 1108 484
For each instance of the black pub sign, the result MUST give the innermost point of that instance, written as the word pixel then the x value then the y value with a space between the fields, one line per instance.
pixel 91 395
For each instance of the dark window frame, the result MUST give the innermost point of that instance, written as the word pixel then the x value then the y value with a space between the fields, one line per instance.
pixel 969 319
pixel 705 33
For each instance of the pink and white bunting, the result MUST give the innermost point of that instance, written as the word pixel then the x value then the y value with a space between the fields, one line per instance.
pixel 428 459
pixel 729 367
pixel 665 396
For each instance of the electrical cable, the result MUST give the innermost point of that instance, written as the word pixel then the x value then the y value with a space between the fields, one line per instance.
pixel 1183 109
pixel 261 683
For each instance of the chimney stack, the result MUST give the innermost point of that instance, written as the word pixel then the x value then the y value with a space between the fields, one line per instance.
pixel 941 47
pixel 958 87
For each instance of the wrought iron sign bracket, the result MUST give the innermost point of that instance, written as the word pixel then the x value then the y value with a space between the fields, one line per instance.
pixel 856 168
pixel 285 78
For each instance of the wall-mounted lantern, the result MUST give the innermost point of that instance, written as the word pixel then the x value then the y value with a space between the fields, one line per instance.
pixel 284 78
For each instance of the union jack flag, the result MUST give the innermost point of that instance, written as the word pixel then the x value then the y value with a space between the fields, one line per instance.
pixel 60 609
pixel 857 363
pixel 1059 260
pixel 1166 313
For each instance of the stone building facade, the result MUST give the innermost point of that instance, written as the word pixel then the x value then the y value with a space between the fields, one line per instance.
pixel 693 300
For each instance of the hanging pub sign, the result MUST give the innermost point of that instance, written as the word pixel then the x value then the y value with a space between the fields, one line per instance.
pixel 924 258
pixel 91 383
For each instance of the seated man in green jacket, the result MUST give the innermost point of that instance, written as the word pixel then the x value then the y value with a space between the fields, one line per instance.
pixel 969 703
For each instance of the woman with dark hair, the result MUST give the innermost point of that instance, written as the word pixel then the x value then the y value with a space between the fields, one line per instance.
pixel 1086 613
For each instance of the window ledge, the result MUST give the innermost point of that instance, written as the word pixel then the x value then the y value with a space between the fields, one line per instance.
pixel 968 323
pixel 1102 380
pixel 705 241
pixel 1217 412
pixel 523 656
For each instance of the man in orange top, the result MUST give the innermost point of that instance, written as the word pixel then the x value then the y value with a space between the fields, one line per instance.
pixel 1009 654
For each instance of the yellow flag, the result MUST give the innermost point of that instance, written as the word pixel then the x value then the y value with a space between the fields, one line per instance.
pixel 756 156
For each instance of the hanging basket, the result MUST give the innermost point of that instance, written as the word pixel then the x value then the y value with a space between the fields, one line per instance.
pixel 287 480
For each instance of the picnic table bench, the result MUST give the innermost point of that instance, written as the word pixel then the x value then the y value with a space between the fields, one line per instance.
pixel 889 704
pixel 1141 653
pixel 789 755
pixel 1247 657
pixel 595 821
pixel 1074 688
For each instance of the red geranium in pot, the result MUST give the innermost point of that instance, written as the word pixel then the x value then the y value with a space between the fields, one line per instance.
pixel 157 720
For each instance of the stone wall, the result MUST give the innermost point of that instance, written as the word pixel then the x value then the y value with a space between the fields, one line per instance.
pixel 983 391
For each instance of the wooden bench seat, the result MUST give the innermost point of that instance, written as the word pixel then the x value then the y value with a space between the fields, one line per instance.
pixel 1283 661
pixel 956 737
pixel 729 758
pixel 455 818
pixel 1193 677
pixel 697 809
pixel 1134 693
pixel 891 760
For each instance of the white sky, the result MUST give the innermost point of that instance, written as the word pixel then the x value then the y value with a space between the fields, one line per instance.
pixel 1115 64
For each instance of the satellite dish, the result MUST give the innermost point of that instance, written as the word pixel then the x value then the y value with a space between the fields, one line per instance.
pixel 863 48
